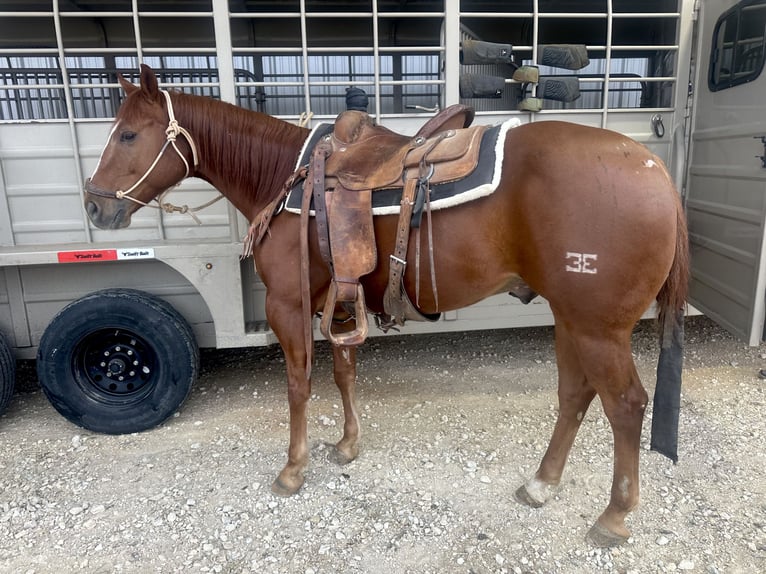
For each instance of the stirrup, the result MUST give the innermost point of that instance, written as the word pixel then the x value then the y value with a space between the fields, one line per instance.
pixel 352 338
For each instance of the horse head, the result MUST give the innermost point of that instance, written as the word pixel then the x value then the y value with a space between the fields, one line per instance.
pixel 143 156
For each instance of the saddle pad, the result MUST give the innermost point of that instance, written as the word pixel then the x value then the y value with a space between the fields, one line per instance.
pixel 481 182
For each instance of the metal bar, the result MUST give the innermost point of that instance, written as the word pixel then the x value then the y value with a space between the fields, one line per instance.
pixel 29 51
pixel 140 56
pixel 270 15
pixel 173 51
pixel 137 31
pixel 70 121
pixel 375 13
pixel 320 15
pixel 337 83
pixel 607 66
pixel 11 13
pixel 119 14
pixel 304 52
pixel 337 49
pixel 376 57
pixel 451 42
pixel 499 14
pixel 274 50
pixel 223 50
pixel 226 86
pixel 535 42
pixel 583 15
pixel 646 14
pixel 653 47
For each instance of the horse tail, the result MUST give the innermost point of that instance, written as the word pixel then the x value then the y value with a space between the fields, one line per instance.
pixel 673 293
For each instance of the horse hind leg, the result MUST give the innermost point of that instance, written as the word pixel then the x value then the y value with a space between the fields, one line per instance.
pixel 344 370
pixel 575 396
pixel 610 369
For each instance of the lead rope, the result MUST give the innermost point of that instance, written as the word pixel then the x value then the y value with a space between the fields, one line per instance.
pixel 171 133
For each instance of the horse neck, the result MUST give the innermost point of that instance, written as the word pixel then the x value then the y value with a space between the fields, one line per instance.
pixel 246 155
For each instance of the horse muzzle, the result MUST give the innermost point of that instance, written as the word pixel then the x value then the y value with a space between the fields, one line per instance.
pixel 104 209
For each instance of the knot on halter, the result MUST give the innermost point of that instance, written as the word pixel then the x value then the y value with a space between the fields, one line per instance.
pixel 170 208
pixel 172 131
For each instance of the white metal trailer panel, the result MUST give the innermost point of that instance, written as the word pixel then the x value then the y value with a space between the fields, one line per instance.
pixel 726 201
pixel 58 93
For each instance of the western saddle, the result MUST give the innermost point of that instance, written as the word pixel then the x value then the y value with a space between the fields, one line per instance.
pixel 346 167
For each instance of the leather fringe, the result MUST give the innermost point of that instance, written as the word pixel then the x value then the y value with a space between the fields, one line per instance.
pixel 259 226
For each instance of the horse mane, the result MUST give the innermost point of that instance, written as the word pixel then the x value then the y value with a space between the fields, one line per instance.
pixel 251 153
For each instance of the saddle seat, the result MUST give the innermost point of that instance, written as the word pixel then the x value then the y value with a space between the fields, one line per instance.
pixel 351 127
pixel 368 156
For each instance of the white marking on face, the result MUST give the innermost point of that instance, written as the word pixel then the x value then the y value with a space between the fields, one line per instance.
pixel 649 163
pixel 581 262
pixel 108 140
pixel 580 415
pixel 345 355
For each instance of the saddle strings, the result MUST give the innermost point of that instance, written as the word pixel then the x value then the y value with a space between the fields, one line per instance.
pixel 425 183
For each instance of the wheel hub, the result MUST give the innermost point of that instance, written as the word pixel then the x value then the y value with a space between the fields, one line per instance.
pixel 117 362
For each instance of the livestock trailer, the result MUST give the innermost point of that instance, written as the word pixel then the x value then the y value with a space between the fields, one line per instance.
pixel 125 308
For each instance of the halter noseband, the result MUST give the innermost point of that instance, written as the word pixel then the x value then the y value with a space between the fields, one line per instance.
pixel 171 133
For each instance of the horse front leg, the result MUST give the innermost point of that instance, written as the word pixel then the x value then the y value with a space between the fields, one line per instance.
pixel 286 320
pixel 344 369
pixel 575 396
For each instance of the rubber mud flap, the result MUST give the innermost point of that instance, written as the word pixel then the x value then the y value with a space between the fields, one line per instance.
pixel 667 394
pixel 7 373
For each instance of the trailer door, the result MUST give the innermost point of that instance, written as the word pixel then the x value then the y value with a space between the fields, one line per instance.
pixel 726 188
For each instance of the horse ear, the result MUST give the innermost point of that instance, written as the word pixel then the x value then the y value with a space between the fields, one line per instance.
pixel 126 85
pixel 149 83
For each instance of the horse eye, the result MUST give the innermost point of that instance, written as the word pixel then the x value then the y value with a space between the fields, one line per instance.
pixel 127 137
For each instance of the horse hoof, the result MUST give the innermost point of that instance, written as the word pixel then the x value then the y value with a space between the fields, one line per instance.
pixel 280 488
pixel 341 456
pixel 535 493
pixel 523 496
pixel 599 535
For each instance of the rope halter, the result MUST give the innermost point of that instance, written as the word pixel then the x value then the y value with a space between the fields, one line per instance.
pixel 171 134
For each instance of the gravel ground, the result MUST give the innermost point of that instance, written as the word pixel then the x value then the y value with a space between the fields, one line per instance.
pixel 452 424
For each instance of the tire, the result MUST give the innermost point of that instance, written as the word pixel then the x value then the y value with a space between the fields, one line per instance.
pixel 117 361
pixel 7 374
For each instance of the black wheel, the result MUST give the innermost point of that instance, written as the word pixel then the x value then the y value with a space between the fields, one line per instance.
pixel 7 374
pixel 117 361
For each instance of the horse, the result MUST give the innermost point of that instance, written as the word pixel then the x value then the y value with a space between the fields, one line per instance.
pixel 585 217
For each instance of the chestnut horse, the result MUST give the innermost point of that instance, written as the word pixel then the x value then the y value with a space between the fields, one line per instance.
pixel 587 218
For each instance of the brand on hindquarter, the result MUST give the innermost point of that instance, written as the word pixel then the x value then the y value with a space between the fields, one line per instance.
pixel 581 262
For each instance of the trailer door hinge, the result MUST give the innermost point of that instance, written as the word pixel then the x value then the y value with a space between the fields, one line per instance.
pixel 762 157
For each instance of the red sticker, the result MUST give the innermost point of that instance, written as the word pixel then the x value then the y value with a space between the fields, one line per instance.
pixel 87 256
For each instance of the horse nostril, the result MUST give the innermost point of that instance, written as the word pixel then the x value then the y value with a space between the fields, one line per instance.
pixel 92 209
